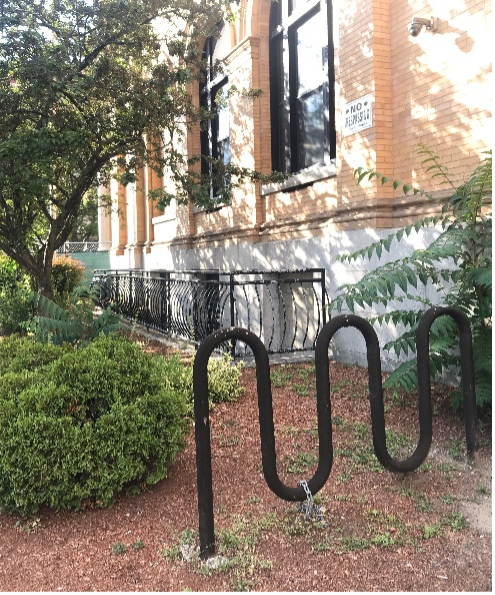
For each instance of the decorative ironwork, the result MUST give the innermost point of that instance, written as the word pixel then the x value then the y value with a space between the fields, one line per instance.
pixel 285 309
pixel 325 448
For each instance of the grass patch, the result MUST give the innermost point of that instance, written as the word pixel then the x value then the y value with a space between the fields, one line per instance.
pixel 301 462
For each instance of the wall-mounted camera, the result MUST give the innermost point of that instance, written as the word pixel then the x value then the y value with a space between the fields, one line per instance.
pixel 417 24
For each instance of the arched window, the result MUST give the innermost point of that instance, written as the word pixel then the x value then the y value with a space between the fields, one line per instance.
pixel 301 84
pixel 215 136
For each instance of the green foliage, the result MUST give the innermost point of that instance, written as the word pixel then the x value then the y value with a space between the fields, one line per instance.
pixel 9 273
pixel 119 548
pixel 14 309
pixel 77 427
pixel 223 380
pixel 137 545
pixel 85 94
pixel 18 355
pixel 14 294
pixel 86 225
pixel 67 274
pixel 458 264
pixel 77 325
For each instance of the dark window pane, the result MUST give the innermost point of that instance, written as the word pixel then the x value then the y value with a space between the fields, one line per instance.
pixel 223 151
pixel 275 15
pixel 311 129
pixel 299 84
pixel 215 132
pixel 309 104
pixel 221 136
pixel 278 88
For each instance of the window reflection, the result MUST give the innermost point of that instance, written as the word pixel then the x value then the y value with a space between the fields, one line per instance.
pixel 311 129
pixel 309 55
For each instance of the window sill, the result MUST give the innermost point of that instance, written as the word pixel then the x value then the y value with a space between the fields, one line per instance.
pixel 303 178
pixel 162 219
pixel 197 209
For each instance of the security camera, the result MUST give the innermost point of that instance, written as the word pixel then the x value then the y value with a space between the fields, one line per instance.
pixel 414 29
pixel 417 24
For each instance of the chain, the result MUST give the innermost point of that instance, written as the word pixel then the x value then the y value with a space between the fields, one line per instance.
pixel 309 508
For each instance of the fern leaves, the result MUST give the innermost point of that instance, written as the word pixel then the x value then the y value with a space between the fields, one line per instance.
pixel 55 325
pixel 458 264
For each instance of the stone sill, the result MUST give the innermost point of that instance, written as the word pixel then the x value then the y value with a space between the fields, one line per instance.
pixel 303 178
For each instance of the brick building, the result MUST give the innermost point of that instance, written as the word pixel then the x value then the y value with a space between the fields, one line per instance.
pixel 344 85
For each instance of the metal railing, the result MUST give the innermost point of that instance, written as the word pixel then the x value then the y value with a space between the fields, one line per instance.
pixel 285 309
pixel 70 247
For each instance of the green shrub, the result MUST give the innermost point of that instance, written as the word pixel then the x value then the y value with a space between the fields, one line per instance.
pixel 67 274
pixel 14 294
pixel 9 273
pixel 81 426
pixel 18 355
pixel 223 380
pixel 15 309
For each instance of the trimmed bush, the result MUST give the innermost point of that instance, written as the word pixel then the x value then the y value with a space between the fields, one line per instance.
pixel 78 427
pixel 67 274
pixel 19 355
pixel 223 380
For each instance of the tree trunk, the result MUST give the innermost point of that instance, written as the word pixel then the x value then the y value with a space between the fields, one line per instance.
pixel 43 278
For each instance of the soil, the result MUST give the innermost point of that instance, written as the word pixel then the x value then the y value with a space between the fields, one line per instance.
pixel 429 530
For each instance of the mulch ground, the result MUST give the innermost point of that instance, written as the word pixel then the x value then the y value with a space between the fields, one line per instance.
pixel 429 530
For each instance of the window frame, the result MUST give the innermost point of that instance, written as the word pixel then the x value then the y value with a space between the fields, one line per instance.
pixel 285 150
pixel 209 89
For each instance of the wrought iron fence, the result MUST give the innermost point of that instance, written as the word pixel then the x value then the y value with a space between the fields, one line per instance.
pixel 285 309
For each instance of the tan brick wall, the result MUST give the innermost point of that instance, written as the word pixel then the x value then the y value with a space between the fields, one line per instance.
pixel 441 86
pixel 433 89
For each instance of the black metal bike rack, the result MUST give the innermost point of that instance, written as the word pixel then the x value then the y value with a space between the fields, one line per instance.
pixel 325 448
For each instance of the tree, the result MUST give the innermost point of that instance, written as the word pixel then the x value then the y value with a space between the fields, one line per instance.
pixel 86 89
pixel 86 224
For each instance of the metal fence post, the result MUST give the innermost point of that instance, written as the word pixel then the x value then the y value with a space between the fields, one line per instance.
pixel 323 304
pixel 232 311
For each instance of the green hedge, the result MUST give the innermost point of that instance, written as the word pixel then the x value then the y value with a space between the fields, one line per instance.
pixel 79 426
pixel 14 295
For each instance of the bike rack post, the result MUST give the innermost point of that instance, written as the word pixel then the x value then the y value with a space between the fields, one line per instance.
pixel 325 448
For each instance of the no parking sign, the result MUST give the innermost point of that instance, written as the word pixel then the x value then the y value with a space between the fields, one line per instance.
pixel 358 115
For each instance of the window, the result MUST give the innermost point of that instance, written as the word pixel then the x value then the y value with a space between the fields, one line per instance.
pixel 215 137
pixel 301 84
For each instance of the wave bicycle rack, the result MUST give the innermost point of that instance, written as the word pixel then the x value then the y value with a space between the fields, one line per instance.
pixel 325 448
